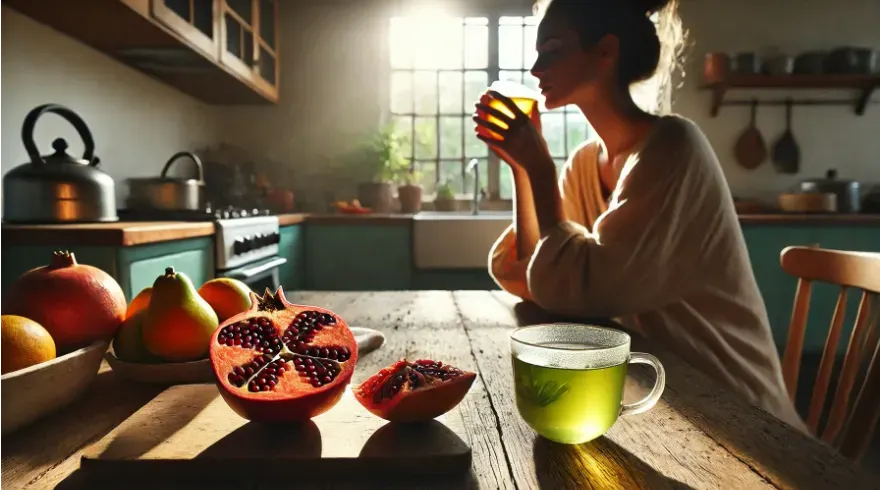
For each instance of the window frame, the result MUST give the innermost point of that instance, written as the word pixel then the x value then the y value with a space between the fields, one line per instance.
pixel 493 71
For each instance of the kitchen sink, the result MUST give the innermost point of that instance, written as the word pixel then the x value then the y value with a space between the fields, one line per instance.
pixel 456 239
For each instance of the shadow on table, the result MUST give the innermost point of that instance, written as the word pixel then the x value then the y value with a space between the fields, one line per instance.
pixel 602 462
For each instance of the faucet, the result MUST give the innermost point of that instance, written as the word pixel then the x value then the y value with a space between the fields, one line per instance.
pixel 479 193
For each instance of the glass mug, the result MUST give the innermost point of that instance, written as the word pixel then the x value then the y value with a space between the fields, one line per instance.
pixel 523 97
pixel 569 379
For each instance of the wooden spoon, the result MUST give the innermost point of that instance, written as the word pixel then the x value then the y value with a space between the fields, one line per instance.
pixel 750 149
pixel 786 154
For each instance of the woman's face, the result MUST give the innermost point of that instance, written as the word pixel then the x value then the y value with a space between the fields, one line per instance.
pixel 566 71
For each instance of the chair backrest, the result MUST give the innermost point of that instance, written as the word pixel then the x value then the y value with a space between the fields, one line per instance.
pixel 849 431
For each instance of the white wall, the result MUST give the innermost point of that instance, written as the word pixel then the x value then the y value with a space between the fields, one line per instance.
pixel 137 122
pixel 828 136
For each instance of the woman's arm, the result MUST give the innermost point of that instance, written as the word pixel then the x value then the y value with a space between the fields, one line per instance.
pixel 525 219
pixel 641 253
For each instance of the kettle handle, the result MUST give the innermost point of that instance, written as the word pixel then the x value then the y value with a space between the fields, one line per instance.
pixel 27 131
pixel 192 157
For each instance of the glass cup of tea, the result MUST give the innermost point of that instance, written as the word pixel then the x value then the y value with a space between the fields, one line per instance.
pixel 569 379
pixel 524 98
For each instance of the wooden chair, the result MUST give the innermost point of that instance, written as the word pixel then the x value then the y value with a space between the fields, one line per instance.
pixel 849 431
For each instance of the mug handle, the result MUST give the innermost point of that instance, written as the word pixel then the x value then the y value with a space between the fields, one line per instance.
pixel 649 401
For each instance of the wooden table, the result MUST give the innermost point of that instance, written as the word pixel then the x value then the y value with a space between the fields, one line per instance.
pixel 697 436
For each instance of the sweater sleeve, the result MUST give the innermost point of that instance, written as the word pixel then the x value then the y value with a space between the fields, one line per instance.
pixel 641 253
pixel 506 268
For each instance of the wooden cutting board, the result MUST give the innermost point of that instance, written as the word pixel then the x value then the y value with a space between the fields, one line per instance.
pixel 188 432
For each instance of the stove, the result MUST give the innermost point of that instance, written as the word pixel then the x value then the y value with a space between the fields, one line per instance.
pixel 245 240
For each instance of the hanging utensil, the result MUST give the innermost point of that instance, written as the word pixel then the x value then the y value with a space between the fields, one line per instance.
pixel 786 154
pixel 750 149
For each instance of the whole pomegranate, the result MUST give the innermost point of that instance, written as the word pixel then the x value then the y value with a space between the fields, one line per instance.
pixel 77 303
pixel 281 362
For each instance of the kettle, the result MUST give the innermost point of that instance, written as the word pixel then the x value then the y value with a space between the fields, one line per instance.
pixel 58 188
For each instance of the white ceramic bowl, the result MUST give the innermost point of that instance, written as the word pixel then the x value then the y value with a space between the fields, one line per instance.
pixel 36 391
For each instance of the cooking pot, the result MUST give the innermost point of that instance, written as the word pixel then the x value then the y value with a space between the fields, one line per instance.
pixel 58 188
pixel 847 191
pixel 169 193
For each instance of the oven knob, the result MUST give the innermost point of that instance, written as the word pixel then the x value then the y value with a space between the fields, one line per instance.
pixel 276 237
pixel 259 240
pixel 238 246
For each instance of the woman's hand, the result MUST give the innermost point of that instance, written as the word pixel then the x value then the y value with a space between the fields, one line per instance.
pixel 520 144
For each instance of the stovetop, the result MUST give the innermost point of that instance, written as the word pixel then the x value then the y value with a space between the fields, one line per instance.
pixel 207 214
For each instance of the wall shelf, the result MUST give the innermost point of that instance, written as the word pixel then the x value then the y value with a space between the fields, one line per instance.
pixel 862 85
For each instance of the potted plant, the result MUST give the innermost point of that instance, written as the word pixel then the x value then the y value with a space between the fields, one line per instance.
pixel 383 155
pixel 409 192
pixel 445 200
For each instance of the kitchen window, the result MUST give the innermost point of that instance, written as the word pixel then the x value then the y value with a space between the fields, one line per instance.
pixel 439 67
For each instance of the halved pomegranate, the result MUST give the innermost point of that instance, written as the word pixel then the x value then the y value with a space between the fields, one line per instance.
pixel 414 391
pixel 281 362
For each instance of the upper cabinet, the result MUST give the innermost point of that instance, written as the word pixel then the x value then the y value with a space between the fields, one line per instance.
pixel 220 51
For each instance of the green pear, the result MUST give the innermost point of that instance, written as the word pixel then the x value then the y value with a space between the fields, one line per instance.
pixel 178 324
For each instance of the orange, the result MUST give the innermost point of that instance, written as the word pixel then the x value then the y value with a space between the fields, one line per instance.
pixel 228 297
pixel 23 343
pixel 139 302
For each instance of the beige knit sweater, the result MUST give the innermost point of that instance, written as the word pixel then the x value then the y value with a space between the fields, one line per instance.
pixel 666 257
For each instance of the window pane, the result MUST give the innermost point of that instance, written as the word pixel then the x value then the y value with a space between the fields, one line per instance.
pixel 530 36
pixel 577 130
pixel 553 126
pixel 531 20
pixel 510 46
pixel 515 76
pixel 401 92
pixel 403 128
pixel 476 42
pixel 484 177
pixel 473 147
pixel 427 176
pixel 450 172
pixel 450 137
pixel 475 83
pixel 437 42
pixel 400 43
pixel 450 92
pixel 560 164
pixel 530 81
pixel 510 20
pixel 426 137
pixel 505 186
pixel 426 92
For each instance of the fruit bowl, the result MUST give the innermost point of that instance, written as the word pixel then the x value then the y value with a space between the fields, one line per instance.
pixel 39 390
pixel 164 373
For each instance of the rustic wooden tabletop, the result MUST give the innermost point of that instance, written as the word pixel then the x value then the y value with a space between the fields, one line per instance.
pixel 697 436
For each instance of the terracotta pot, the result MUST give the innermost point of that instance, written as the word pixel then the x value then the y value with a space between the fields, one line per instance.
pixel 445 205
pixel 410 197
pixel 378 196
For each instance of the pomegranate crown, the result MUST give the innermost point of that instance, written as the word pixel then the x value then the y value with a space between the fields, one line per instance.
pixel 62 258
pixel 271 302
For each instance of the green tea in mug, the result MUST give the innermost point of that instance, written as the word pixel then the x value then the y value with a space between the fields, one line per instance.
pixel 569 379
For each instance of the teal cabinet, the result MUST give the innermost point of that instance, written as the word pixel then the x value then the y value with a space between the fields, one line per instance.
pixel 292 274
pixel 141 265
pixel 766 242
pixel 368 257
pixel 134 268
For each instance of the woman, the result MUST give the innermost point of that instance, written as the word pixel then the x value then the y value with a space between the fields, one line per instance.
pixel 640 225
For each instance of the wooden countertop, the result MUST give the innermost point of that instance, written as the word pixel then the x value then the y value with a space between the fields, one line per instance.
pixel 697 436
pixel 118 234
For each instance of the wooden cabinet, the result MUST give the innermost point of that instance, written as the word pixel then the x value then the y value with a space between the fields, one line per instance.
pixel 292 247
pixel 249 41
pixel 223 52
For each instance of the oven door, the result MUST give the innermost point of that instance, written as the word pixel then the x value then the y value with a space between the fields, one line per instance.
pixel 259 276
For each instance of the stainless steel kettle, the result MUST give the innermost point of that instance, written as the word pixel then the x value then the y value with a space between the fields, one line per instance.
pixel 58 188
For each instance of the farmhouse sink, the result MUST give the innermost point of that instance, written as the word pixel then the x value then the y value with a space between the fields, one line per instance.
pixel 456 240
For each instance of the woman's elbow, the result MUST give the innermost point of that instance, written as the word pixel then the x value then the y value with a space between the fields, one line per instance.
pixel 513 285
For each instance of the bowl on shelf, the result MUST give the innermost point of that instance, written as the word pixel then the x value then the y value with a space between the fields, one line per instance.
pixel 37 391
